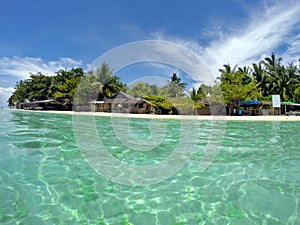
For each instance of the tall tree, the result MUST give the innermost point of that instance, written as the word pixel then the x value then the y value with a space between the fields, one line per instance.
pixel 64 84
pixel 107 84
pixel 287 80
pixel 234 88
pixel 261 78
pixel 273 70
pixel 199 93
pixel 175 88
pixel 143 89
pixel 111 87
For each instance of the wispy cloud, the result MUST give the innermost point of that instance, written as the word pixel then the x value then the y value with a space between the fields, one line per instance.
pixel 4 95
pixel 271 28
pixel 266 31
pixel 22 67
pixel 293 51
pixel 160 52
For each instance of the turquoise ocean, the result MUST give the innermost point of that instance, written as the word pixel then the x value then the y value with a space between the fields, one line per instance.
pixel 44 178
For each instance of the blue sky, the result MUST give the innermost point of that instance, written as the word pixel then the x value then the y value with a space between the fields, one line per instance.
pixel 45 36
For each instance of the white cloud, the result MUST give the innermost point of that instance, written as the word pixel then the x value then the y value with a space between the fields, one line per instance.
pixel 22 67
pixel 198 70
pixel 265 32
pixel 5 93
pixel 293 52
pixel 161 52
pixel 272 25
pixel 166 70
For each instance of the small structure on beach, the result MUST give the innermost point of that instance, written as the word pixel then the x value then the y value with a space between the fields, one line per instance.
pixel 290 108
pixel 251 108
pixel 50 104
pixel 123 103
pixel 207 107
pixel 263 108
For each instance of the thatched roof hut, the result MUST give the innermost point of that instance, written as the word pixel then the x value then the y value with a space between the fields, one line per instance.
pixel 124 103
pixel 210 108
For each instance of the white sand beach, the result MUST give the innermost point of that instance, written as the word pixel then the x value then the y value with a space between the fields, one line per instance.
pixel 180 117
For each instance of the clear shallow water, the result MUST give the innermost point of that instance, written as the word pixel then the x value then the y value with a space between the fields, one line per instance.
pixel 44 178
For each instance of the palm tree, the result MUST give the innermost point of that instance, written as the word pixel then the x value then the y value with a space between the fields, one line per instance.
pixel 235 85
pixel 39 85
pixel 104 73
pixel 272 63
pixel 288 82
pixel 260 76
pixel 104 82
pixel 193 94
pixel 111 87
pixel 175 87
pixel 175 79
pixel 197 94
pixel 274 73
pixel 246 70
pixel 226 73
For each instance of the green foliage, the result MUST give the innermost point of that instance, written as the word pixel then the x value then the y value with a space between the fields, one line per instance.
pixel 64 84
pixel 216 93
pixel 104 73
pixel 142 89
pixel 236 86
pixel 160 104
pixel 201 92
pixel 165 99
pixel 184 105
pixel 41 87
pixel 21 92
pixel 278 79
pixel 110 87
pixel 34 88
pixel 175 88
pixel 197 94
pixel 264 79
pixel 268 77
pixel 87 90
pixel 296 97
pixel 104 82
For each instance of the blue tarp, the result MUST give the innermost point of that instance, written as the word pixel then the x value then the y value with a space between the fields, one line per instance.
pixel 251 102
pixel 248 102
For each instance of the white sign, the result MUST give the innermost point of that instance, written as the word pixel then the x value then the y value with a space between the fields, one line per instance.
pixel 276 101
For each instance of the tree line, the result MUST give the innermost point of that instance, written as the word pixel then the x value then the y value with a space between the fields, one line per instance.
pixel 96 85
pixel 236 84
pixel 257 82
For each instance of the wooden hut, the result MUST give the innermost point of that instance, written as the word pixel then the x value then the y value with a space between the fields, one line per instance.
pixel 123 103
pixel 50 104
pixel 207 107
pixel 142 106
pixel 290 108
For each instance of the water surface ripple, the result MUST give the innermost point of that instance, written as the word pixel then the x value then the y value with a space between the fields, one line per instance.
pixel 44 178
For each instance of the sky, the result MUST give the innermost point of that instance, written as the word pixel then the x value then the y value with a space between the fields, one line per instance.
pixel 45 36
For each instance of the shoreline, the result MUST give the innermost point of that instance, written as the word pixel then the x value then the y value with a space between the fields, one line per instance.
pixel 174 117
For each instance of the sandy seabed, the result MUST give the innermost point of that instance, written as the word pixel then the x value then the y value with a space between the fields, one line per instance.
pixel 180 117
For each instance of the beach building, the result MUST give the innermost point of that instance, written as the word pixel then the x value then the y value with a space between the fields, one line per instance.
pixel 290 108
pixel 252 108
pixel 207 107
pixel 122 103
pixel 50 104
